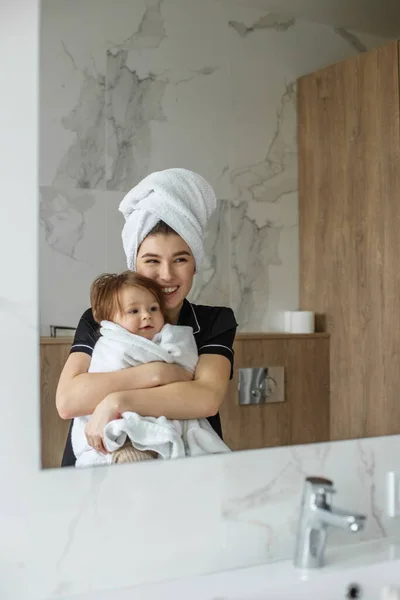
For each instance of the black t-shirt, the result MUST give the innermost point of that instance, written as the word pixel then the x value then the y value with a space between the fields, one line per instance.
pixel 214 330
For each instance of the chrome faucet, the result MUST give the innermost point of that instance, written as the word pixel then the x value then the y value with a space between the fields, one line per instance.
pixel 316 514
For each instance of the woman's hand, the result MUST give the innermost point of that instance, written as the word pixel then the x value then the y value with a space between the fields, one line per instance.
pixel 105 412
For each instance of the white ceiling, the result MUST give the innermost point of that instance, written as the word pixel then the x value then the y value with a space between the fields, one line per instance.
pixel 378 17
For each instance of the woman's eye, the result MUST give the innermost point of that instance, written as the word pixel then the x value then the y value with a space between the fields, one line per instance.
pixel 151 261
pixel 181 260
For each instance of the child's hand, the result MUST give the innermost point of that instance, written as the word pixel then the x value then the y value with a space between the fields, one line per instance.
pixel 172 373
pixel 105 412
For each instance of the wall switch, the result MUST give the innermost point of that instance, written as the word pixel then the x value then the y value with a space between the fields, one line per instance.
pixel 393 494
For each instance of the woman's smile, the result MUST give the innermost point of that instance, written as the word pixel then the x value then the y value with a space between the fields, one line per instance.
pixel 170 291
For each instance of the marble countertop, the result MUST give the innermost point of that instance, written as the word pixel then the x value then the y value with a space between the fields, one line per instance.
pixel 345 565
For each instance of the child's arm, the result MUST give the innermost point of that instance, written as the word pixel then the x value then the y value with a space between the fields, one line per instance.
pixel 79 392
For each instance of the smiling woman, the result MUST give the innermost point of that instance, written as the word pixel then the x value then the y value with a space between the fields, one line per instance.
pixel 163 240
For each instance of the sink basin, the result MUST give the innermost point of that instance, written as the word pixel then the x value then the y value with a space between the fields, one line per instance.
pixel 363 570
pixel 364 582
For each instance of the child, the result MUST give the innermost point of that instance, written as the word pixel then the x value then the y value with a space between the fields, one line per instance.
pixel 131 310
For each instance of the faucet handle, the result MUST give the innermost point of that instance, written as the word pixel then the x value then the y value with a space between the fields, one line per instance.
pixel 320 485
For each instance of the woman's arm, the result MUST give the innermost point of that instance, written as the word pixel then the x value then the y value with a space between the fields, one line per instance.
pixel 201 397
pixel 79 392
pixel 186 400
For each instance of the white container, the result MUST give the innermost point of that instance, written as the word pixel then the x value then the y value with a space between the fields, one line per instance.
pixel 302 321
pixel 287 326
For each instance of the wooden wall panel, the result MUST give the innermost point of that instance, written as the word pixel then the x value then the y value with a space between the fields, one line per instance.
pixel 304 416
pixel 53 434
pixel 349 220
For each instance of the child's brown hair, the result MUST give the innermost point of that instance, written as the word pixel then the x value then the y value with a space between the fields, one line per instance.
pixel 104 293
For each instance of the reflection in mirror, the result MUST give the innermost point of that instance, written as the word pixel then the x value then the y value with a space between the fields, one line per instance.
pixel 174 124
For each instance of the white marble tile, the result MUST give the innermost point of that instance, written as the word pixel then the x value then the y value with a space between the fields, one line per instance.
pixel 283 293
pixel 264 276
pixel 99 516
pixel 133 103
pixel 72 115
pixel 83 163
pixel 150 32
pixel 274 174
pixel 163 111
pixel 115 260
pixel 212 282
pixel 270 20
pixel 74 42
pixel 72 237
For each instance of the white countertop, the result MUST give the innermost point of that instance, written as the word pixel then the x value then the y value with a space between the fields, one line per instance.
pixel 371 564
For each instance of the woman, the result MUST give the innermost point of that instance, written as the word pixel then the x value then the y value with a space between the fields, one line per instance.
pixel 165 216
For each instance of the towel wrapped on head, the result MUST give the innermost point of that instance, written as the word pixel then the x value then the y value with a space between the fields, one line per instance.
pixel 181 198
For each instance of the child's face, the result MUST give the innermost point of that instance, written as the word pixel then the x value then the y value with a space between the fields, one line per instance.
pixel 140 312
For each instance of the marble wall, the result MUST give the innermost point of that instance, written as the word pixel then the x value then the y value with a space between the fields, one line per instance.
pixel 131 87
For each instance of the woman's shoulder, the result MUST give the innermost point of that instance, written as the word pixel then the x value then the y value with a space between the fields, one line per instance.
pixel 87 333
pixel 205 311
pixel 214 319
pixel 87 320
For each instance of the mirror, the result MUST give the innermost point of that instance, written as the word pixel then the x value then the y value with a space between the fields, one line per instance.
pixel 131 88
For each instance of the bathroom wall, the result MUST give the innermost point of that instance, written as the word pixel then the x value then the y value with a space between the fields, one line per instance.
pixel 66 532
pixel 131 87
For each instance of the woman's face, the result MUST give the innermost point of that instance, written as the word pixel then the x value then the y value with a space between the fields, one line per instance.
pixel 168 260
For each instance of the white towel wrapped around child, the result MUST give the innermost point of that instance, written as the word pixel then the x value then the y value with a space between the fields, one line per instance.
pixel 119 349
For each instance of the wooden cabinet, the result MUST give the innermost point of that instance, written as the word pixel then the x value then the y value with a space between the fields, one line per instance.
pixel 349 214
pixel 53 430
pixel 304 415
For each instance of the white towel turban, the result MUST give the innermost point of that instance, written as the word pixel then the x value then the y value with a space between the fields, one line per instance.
pixel 182 199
